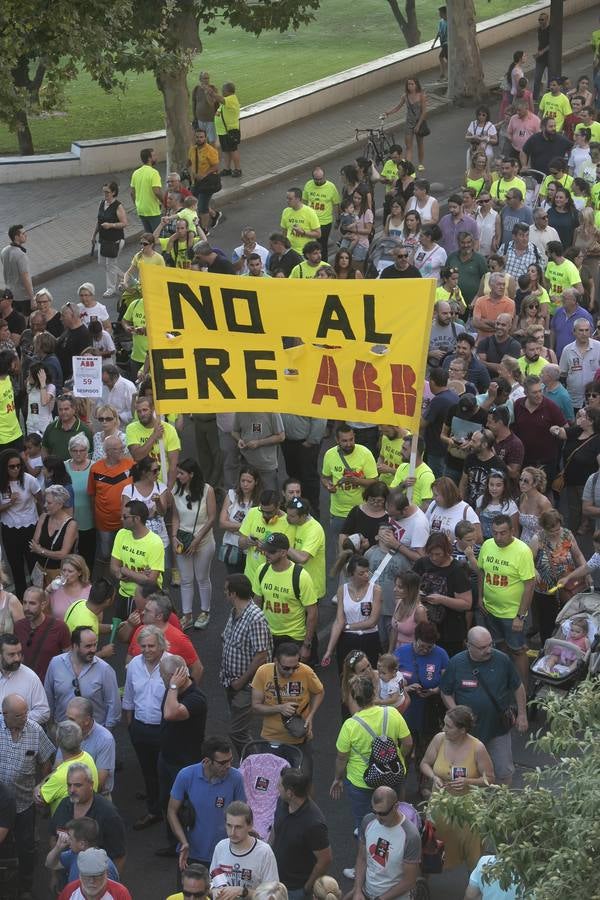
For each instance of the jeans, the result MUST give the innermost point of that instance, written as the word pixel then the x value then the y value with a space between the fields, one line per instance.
pixel 104 545
pixel 324 241
pixel 360 801
pixel 540 68
pixel 303 463
pixel 150 223
pixel 196 567
pixel 436 463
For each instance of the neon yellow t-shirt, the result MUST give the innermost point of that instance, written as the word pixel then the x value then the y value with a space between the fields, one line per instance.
pixel 144 553
pixel 596 43
pixel 322 198
pixel 594 128
pixel 442 294
pixel 304 218
pixel 143 180
pixel 310 538
pixel 136 316
pixel 501 186
pixel 504 571
pixel 283 612
pixel 227 115
pixel 561 276
pixel 356 740
pixel 391 454
pixel 557 108
pixel 137 434
pixel 305 270
pixel 54 789
pixel 78 614
pixel 595 194
pixel 255 526
pixel 422 486
pixel 566 180
pixel 360 462
pixel 532 368
pixel 10 429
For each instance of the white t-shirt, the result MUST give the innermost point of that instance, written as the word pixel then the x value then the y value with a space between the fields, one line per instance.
pixel 430 262
pixel 239 252
pixel 23 511
pixel 155 521
pixel 412 531
pixel 248 869
pixel 39 416
pixel 387 851
pixel 89 313
pixel 441 519
pixel 394 686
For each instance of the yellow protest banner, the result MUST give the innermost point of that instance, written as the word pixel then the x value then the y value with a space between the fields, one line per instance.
pixel 216 345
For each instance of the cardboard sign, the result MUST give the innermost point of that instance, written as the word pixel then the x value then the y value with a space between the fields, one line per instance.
pixel 87 376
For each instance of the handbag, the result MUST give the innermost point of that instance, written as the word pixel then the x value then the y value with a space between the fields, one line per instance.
pixel 40 577
pixel 185 538
pixel 230 554
pixel 210 184
pixel 295 724
pixel 508 716
pixel 558 482
pixel 109 249
pixel 423 130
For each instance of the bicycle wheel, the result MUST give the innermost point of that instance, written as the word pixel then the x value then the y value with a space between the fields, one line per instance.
pixel 387 143
pixel 420 890
pixel 372 151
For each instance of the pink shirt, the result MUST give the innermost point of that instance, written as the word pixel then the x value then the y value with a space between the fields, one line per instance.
pixel 60 601
pixel 520 130
pixel 405 630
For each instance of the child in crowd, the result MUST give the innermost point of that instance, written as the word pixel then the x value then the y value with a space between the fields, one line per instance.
pixel 576 633
pixel 391 683
pixel 32 457
pixel 465 550
pixel 348 217
pixel 102 342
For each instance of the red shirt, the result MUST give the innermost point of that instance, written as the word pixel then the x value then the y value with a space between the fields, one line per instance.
pixel 40 644
pixel 105 485
pixel 113 889
pixel 178 642
pixel 533 429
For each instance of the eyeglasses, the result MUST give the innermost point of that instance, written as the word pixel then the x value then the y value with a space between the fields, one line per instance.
pixel 289 668
pixel 222 762
pixel 480 646
pixel 105 418
pixel 381 814
pixel 76 687
pixel 587 396
pixel 401 255
pixel 145 243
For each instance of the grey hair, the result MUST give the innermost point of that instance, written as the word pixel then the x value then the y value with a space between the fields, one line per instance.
pixel 171 663
pixel 45 291
pixel 581 321
pixel 83 704
pixel 552 370
pixel 59 493
pixel 68 735
pixel 81 767
pixel 79 441
pixel 163 603
pixel 87 286
pixel 495 276
pixel 152 631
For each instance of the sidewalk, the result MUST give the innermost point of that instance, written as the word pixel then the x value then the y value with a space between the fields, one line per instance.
pixel 60 214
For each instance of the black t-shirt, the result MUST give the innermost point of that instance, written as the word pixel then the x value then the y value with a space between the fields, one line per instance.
pixel 296 837
pixel 478 471
pixel 181 742
pixel 72 342
pixel 55 325
pixel 583 462
pixel 495 351
pixel 543 38
pixel 7 820
pixel 462 426
pixel 105 813
pixel 17 323
pixel 286 262
pixel 449 581
pixel 541 151
pixel 358 522
pixel 221 266
pixel 393 272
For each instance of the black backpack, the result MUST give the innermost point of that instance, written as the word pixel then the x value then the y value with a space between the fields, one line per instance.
pixel 295 577
pixel 384 766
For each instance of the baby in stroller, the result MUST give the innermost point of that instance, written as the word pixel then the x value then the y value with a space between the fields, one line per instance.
pixel 560 659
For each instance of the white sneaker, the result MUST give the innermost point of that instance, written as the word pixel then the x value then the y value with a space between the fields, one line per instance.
pixel 202 621
pixel 109 294
pixel 349 873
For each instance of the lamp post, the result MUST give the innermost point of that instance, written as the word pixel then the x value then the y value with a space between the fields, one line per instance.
pixel 556 38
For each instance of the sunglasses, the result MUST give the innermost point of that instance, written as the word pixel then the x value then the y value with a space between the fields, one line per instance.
pixel 145 243
pixel 105 418
pixel 76 687
pixel 188 500
pixel 384 812
pixel 402 256
pixel 289 668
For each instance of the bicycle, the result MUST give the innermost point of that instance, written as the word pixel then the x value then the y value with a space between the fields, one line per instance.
pixel 379 142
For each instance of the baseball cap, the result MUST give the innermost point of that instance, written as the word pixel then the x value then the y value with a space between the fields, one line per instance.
pixel 277 541
pixel 92 861
pixel 7 295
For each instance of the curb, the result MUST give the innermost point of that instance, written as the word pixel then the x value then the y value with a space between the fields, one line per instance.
pixel 231 195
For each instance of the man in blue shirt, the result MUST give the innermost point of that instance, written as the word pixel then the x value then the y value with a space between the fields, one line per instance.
pixel 476 372
pixel 557 392
pixel 564 318
pixel 434 417
pixel 209 787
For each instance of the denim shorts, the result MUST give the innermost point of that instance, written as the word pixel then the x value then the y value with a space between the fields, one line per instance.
pixel 502 632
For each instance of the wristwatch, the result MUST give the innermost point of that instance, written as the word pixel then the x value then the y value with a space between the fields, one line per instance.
pixel 172 687
pixel 522 616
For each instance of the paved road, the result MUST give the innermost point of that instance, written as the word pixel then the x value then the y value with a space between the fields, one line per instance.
pixel 146 875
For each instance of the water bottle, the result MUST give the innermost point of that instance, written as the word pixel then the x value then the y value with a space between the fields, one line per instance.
pixel 57 583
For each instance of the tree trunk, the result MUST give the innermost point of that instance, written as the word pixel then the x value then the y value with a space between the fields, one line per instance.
pixel 176 98
pixel 23 132
pixel 408 24
pixel 556 36
pixel 465 71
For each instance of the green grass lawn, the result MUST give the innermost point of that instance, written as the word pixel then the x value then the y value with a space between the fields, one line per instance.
pixel 260 67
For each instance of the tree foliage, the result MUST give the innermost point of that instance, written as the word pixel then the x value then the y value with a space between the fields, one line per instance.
pixel 548 833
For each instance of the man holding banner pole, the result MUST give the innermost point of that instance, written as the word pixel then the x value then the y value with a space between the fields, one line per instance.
pixel 347 469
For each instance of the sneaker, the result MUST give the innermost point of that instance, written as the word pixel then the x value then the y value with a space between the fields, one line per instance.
pixel 225 172
pixel 420 167
pixel 236 173
pixel 109 294
pixel 175 577
pixel 349 873
pixel 186 622
pixel 202 621
pixel 214 220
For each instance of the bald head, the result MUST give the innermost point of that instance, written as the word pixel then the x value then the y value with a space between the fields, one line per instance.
pixel 384 796
pixel 478 634
pixel 15 711
pixel 479 644
pixel 443 312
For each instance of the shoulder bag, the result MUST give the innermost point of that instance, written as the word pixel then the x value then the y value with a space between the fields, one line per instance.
pixel 423 129
pixel 558 482
pixel 294 725
pixel 185 538
pixel 40 577
pixel 507 716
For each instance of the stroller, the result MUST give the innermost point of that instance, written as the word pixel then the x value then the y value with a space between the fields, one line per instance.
pixel 380 255
pixel 533 181
pixel 574 663
pixel 261 765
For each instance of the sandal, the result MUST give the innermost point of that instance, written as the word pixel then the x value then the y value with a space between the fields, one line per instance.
pixel 186 622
